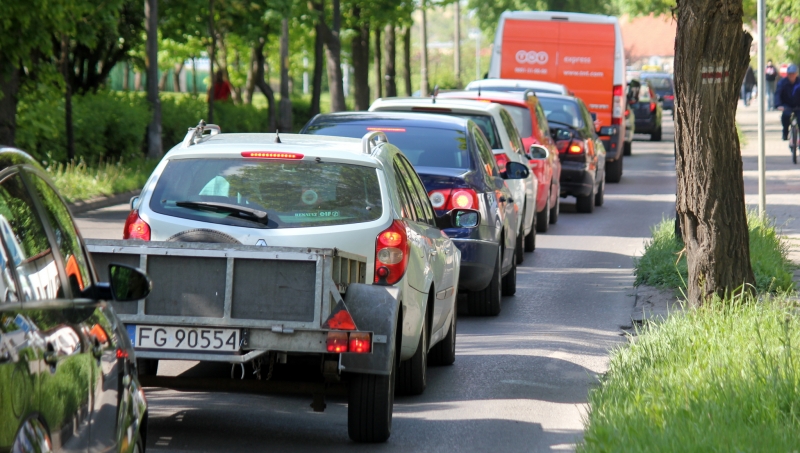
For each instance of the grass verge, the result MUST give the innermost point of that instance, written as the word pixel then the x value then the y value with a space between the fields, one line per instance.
pixel 722 378
pixel 664 266
pixel 78 181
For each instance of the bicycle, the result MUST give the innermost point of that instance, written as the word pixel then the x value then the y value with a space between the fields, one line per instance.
pixel 794 134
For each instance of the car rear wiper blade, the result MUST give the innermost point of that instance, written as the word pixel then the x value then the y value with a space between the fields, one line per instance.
pixel 250 213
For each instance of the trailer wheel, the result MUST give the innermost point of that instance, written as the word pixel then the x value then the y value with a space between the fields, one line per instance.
pixel 203 235
pixel 413 373
pixel 370 401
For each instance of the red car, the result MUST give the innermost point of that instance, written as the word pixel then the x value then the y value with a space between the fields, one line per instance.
pixel 531 122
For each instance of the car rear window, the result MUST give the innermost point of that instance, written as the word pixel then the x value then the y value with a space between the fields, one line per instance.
pixel 522 119
pixel 660 83
pixel 562 111
pixel 486 123
pixel 514 89
pixel 424 147
pixel 294 194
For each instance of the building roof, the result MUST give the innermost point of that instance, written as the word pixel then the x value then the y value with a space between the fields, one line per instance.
pixel 648 36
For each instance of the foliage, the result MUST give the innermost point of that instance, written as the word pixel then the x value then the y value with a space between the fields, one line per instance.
pixel 646 7
pixel 721 378
pixel 783 20
pixel 78 181
pixel 663 263
pixel 489 12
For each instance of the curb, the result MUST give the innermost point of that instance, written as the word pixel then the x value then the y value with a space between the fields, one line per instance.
pixel 80 207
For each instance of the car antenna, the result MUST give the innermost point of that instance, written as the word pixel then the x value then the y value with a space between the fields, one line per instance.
pixel 278 136
pixel 479 90
pixel 435 93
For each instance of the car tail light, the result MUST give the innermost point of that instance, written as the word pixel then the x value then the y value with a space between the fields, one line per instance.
pixel 652 107
pixel 386 129
pixel 439 198
pixel 617 107
pixel 575 148
pixel 501 160
pixel 122 353
pixel 136 228
pixel 669 97
pixel 450 199
pixel 336 342
pixel 391 254
pixel 360 342
pixel 271 155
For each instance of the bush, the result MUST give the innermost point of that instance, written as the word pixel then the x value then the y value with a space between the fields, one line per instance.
pixel 663 264
pixel 77 181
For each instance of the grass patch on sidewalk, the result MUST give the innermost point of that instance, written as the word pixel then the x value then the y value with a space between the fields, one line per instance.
pixel 79 181
pixel 722 378
pixel 664 266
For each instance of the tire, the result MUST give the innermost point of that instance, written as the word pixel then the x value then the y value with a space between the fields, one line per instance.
pixel 543 218
pixel 519 249
pixel 509 283
pixel 614 170
pixel 626 148
pixel 147 367
pixel 598 198
pixel 412 375
pixel 370 400
pixel 203 235
pixel 656 136
pixel 555 210
pixel 444 352
pixel 486 302
pixel 585 204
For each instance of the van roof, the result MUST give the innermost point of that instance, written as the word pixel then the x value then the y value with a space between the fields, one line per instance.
pixel 560 16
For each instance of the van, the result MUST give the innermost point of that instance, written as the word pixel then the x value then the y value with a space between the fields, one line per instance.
pixel 583 52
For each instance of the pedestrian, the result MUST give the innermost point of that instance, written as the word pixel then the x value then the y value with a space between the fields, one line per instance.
pixel 771 76
pixel 222 88
pixel 747 85
pixel 784 99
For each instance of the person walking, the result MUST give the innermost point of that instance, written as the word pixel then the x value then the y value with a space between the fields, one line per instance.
pixel 785 97
pixel 747 85
pixel 771 76
pixel 222 88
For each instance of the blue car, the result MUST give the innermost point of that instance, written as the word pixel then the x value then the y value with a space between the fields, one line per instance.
pixel 457 167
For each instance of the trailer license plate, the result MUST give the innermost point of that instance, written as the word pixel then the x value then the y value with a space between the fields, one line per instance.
pixel 185 338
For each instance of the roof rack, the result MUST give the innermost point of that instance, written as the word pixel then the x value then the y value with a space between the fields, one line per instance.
pixel 195 134
pixel 371 140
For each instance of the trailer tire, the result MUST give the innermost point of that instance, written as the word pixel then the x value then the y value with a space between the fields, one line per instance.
pixel 370 402
pixel 203 235
pixel 412 375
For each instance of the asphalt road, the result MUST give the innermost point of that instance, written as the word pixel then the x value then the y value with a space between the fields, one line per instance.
pixel 520 380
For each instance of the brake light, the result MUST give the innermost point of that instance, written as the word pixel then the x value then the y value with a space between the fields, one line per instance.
pixel 652 107
pixel 439 198
pixel 122 354
pixel 669 97
pixel 501 160
pixel 391 254
pixel 136 228
pixel 336 342
pixel 463 199
pixel 575 149
pixel 386 129
pixel 360 342
pixel 617 105
pixel 271 155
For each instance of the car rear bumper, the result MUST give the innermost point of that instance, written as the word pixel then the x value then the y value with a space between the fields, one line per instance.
pixel 613 144
pixel 478 259
pixel 646 126
pixel 576 179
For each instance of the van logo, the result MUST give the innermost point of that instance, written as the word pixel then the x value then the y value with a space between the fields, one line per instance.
pixel 261 243
pixel 532 57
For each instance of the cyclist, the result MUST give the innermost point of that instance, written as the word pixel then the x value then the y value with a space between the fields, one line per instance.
pixel 786 97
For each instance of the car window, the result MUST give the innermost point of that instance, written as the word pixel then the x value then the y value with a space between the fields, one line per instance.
pixel 414 196
pixel 8 287
pixel 66 236
pixel 26 241
pixel 522 119
pixel 660 83
pixel 562 111
pixel 406 201
pixel 419 188
pixel 541 119
pixel 587 120
pixel 487 126
pixel 511 129
pixel 294 194
pixel 486 154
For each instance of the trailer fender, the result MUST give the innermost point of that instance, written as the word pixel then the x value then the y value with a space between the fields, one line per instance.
pixel 373 308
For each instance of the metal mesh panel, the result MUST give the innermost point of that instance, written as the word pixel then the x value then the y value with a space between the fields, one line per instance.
pixel 101 262
pixel 186 286
pixel 274 290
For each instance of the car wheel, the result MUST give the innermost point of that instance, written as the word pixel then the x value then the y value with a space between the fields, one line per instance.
pixel 519 249
pixel 626 148
pixel 412 376
pixel 444 352
pixel 543 218
pixel 598 198
pixel 486 302
pixel 656 136
pixel 585 203
pixel 555 210
pixel 614 170
pixel 370 401
pixel 509 284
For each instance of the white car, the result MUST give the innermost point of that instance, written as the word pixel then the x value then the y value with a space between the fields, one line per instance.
pixel 359 196
pixel 517 85
pixel 498 126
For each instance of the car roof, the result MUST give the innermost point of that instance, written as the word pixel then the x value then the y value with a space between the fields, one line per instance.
pixel 409 119
pixel 517 83
pixel 563 97
pixel 441 103
pixel 645 75
pixel 505 97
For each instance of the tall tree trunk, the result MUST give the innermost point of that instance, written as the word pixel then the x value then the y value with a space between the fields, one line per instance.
pixel 9 92
pixel 211 55
pixel 333 52
pixel 711 56
pixel 154 145
pixel 236 91
pixel 176 77
pixel 390 41
pixel 126 76
pixel 316 84
pixel 261 82
pixel 407 61
pixel 360 56
pixel 378 64
pixel 194 76
pixel 137 81
pixel 66 72
pixel 250 84
pixel 285 105
pixel 423 71
pixel 162 81
pixel 457 43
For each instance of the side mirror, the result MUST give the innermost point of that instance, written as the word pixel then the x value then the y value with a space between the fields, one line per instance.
pixel 128 283
pixel 465 218
pixel 539 152
pixel 515 170
pixel 134 202
pixel 607 130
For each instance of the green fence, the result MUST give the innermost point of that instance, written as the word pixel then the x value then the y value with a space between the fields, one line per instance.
pixel 116 79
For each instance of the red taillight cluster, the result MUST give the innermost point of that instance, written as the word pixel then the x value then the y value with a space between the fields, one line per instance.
pixel 652 107
pixel 356 342
pixel 575 148
pixel 617 105
pixel 391 254
pixel 501 160
pixel 271 155
pixel 136 228
pixel 669 97
pixel 450 199
pixel 122 353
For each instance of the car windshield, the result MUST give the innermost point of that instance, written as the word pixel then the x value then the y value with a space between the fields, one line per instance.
pixel 423 146
pixel 293 193
pixel 522 119
pixel 562 111
pixel 515 89
pixel 660 83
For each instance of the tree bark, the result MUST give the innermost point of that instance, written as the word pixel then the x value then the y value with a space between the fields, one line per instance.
pixel 423 71
pixel 66 72
pixel 194 76
pixel 250 84
pixel 176 77
pixel 378 64
pixel 285 105
pixel 9 92
pixel 390 41
pixel 457 43
pixel 360 55
pixel 154 145
pixel 126 76
pixel 261 82
pixel 316 84
pixel 137 81
pixel 407 60
pixel 162 81
pixel 333 52
pixel 711 56
pixel 211 52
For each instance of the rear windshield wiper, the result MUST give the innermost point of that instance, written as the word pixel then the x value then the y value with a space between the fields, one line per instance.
pixel 241 211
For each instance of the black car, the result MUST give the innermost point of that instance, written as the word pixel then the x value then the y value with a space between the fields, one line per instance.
pixel 663 86
pixel 647 109
pixel 68 377
pixel 457 167
pixel 582 153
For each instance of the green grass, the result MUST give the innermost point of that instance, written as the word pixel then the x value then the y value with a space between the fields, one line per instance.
pixel 78 181
pixel 722 378
pixel 664 266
